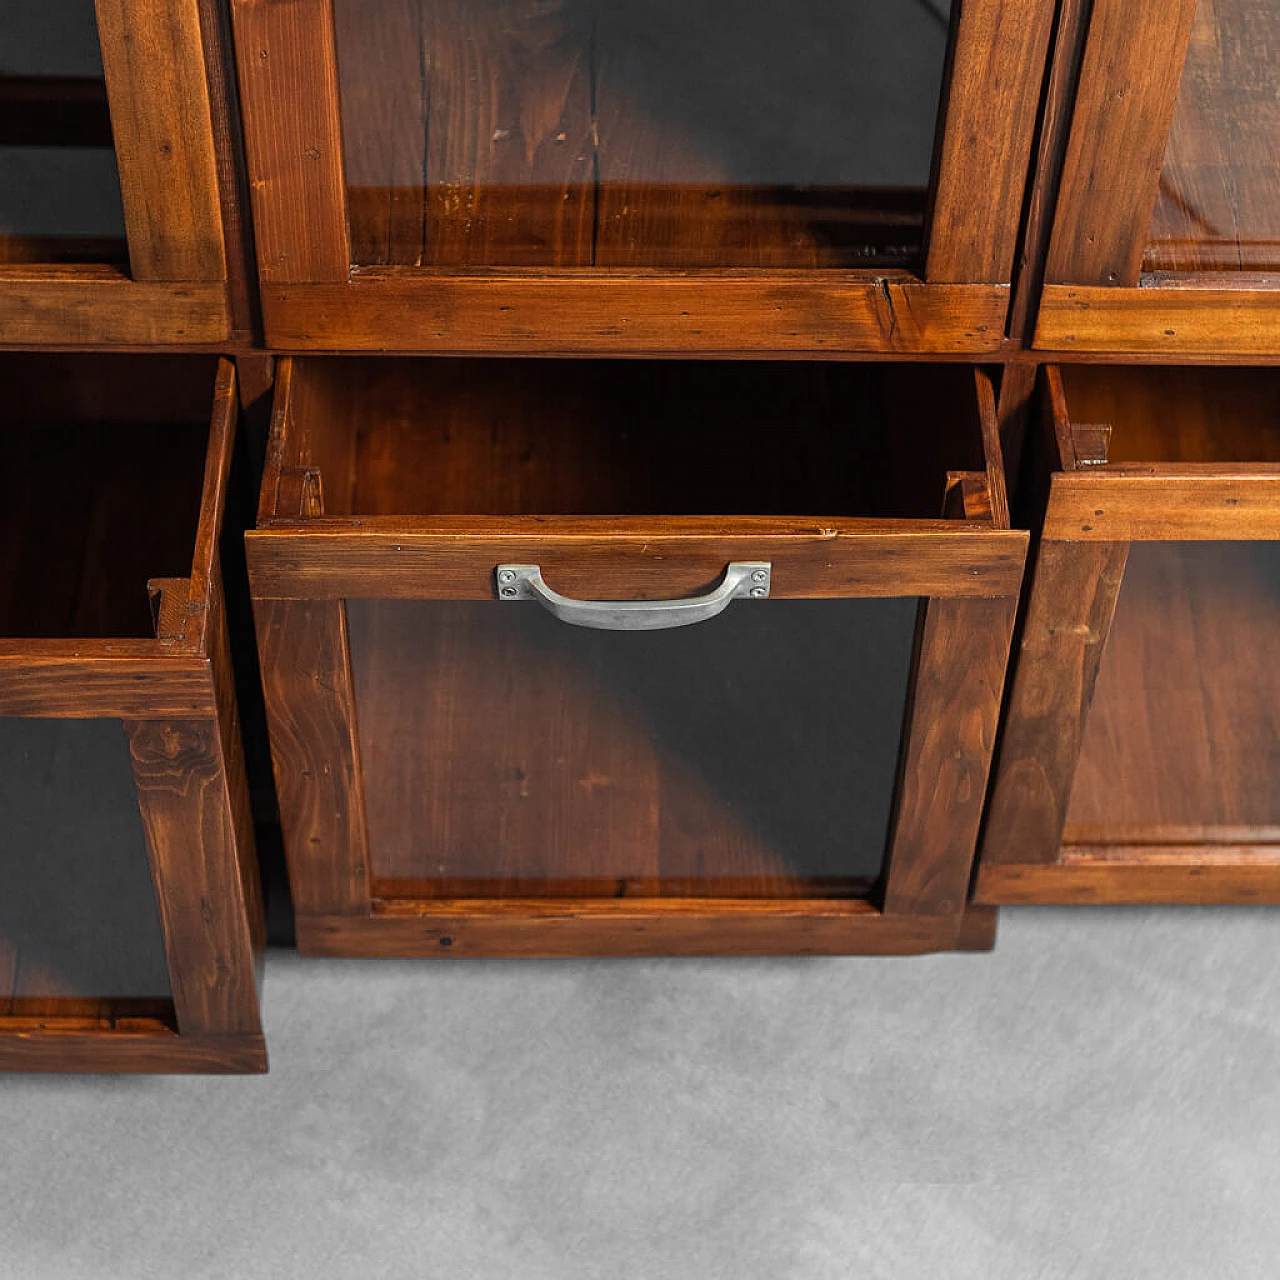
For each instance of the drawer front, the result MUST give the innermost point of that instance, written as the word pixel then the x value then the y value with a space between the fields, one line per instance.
pixel 132 912
pixel 1141 750
pixel 584 177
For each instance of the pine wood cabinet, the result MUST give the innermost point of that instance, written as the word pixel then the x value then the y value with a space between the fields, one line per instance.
pixel 130 910
pixel 1140 751
pixel 464 772
pixel 1166 239
pixel 446 176
pixel 120 216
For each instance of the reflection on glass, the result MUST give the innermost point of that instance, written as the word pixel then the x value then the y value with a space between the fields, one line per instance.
pixel 641 133
pixel 1218 207
pixel 1183 739
pixel 505 753
pixel 59 188
pixel 79 925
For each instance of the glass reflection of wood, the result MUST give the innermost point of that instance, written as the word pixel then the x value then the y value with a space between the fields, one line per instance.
pixel 1182 745
pixel 656 133
pixel 1218 207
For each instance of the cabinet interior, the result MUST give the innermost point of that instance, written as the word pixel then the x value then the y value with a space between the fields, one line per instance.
pixel 1218 202
pixel 555 437
pixel 650 134
pixel 1182 742
pixel 101 470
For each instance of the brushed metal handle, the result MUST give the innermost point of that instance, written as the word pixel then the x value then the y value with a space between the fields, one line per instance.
pixel 743 580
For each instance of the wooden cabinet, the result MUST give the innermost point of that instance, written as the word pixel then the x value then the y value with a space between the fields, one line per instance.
pixel 119 219
pixel 1140 755
pixel 1166 239
pixel 130 912
pixel 441 176
pixel 464 771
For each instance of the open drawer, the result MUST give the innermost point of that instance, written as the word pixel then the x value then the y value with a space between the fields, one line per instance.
pixel 1140 758
pixel 130 912
pixel 464 770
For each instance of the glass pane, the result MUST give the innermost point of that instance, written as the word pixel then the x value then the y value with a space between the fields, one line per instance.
pixel 59 188
pixel 1184 733
pixel 505 753
pixel 676 133
pixel 1218 207
pixel 79 925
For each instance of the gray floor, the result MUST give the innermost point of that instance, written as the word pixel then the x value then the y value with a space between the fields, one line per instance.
pixel 1099 1098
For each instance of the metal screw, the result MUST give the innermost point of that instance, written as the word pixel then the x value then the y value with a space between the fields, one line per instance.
pixel 507 575
pixel 760 575
pixel 758 593
pixel 510 593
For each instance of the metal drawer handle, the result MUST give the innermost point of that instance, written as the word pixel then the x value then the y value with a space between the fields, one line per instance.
pixel 743 580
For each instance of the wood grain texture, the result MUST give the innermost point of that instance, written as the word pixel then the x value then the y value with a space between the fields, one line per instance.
pixel 100 307
pixel 607 312
pixel 293 137
pixel 987 125
pixel 75 1051
pixel 163 134
pixel 1168 319
pixel 1068 615
pixel 1100 882
pixel 951 731
pixel 187 812
pixel 1184 729
pixel 1131 502
pixel 302 647
pixel 57 685
pixel 653 559
pixel 1218 207
pixel 1128 85
pixel 629 928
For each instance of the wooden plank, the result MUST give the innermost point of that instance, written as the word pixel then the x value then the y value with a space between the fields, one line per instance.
pixel 98 307
pixel 455 558
pixel 289 93
pixel 1166 320
pixel 1127 502
pixel 1128 86
pixel 187 812
pixel 306 676
pixel 951 731
pixel 81 688
pixel 607 312
pixel 988 123
pixel 989 420
pixel 123 1051
pixel 163 134
pixel 1102 882
pixel 1068 615
pixel 626 928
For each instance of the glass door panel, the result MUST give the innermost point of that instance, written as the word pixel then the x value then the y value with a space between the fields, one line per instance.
pixel 1218 206
pixel 1182 743
pixel 59 186
pixel 79 925
pixel 649 133
pixel 507 754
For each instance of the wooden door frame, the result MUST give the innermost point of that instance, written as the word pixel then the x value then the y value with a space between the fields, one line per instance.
pixel 313 299
pixel 175 696
pixel 177 149
pixel 1095 297
pixel 1094 513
